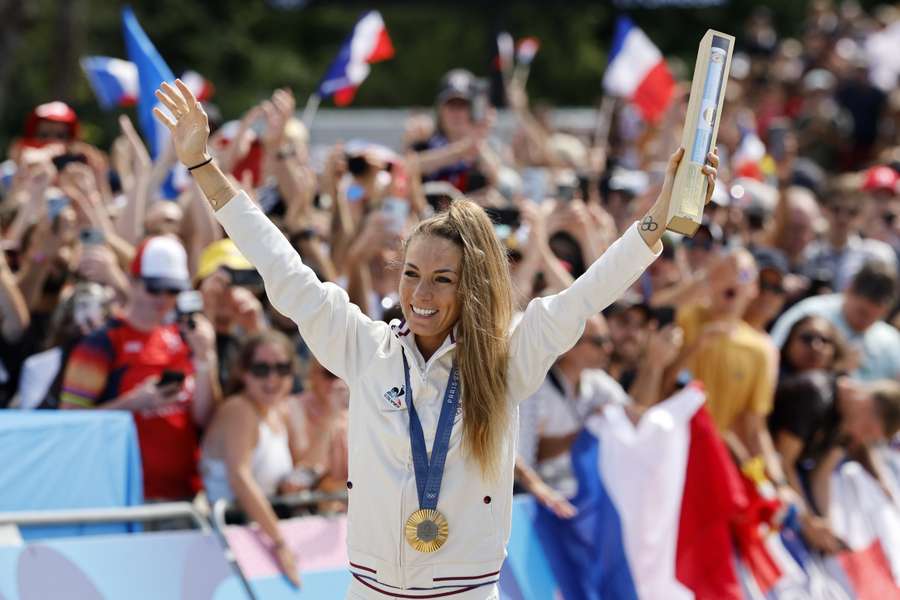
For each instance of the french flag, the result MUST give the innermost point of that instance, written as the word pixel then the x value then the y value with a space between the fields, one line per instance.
pixel 868 520
pixel 114 81
pixel 367 44
pixel 655 505
pixel 638 72
pixel 152 71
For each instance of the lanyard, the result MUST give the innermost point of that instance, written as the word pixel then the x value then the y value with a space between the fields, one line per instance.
pixel 430 474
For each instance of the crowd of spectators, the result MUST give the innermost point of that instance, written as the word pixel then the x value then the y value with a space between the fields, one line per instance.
pixel 784 304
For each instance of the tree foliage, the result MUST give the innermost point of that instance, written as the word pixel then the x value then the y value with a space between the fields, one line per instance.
pixel 247 48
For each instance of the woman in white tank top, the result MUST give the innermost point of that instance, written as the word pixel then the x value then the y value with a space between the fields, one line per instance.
pixel 246 451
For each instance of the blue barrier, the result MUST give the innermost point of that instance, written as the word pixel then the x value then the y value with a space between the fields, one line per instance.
pixel 68 459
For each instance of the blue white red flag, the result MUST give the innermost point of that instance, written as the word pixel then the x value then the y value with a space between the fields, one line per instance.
pixel 368 43
pixel 637 71
pixel 114 81
pixel 655 502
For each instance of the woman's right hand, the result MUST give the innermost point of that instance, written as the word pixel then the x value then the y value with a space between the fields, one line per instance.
pixel 190 129
pixel 287 562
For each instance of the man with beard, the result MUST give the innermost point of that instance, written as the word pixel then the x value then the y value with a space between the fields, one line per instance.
pixel 628 320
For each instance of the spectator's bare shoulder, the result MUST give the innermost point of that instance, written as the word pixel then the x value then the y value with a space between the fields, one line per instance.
pixel 235 409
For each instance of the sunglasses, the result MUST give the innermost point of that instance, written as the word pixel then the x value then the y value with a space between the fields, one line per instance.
pixel 262 370
pixel 51 135
pixel 161 292
pixel 809 338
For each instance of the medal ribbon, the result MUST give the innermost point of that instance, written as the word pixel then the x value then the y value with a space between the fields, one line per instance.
pixel 430 474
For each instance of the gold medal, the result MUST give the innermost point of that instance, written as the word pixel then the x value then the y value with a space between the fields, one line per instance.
pixel 426 530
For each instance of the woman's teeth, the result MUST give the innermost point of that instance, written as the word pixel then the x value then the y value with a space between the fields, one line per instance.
pixel 424 312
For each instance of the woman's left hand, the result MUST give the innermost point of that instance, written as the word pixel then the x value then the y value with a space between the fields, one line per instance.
pixel 710 170
pixel 654 223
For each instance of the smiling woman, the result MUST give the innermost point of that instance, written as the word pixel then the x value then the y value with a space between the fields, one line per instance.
pixel 456 277
pixel 426 522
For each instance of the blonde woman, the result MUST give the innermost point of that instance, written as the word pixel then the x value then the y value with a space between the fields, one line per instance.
pixel 433 398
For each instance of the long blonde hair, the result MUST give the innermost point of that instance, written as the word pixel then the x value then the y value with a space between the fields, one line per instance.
pixel 485 295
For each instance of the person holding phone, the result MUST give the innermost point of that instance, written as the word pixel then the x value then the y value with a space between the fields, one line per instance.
pixel 458 151
pixel 448 377
pixel 165 376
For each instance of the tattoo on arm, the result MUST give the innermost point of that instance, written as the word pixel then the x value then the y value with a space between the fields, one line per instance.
pixel 648 224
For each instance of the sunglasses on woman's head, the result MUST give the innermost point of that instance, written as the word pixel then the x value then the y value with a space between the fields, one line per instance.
pixel 263 370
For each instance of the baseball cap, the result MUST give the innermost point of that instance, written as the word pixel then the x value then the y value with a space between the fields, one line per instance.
pixel 459 84
pixel 881 179
pixel 57 112
pixel 222 253
pixel 161 263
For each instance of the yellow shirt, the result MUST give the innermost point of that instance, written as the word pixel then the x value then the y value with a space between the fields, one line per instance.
pixel 737 369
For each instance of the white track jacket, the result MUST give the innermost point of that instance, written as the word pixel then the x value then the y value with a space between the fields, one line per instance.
pixel 368 356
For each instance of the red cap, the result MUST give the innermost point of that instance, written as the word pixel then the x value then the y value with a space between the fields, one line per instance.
pixel 58 112
pixel 881 179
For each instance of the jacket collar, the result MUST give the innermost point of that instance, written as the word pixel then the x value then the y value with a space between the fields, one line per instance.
pixel 407 340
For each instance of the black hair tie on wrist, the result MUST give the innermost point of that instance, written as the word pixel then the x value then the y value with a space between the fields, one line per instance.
pixel 205 162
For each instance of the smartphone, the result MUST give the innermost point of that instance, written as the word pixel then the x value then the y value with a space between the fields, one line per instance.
pixel 565 192
pixel 479 100
pixel 248 278
pixel 357 164
pixel 663 315
pixel 92 237
pixel 397 212
pixel 55 206
pixel 535 183
pixel 170 378
pixel 61 161
pixel 189 302
pixel 510 216
pixel 777 133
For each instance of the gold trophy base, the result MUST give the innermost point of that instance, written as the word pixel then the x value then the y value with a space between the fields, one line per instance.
pixel 688 198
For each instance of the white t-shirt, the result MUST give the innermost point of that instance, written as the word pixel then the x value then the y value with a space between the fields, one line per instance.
pixel 38 373
pixel 556 410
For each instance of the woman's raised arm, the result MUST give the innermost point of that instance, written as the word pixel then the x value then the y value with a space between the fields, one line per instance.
pixel 551 325
pixel 339 335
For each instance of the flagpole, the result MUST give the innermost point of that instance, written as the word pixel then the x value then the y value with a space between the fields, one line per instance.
pixel 312 106
pixel 604 120
pixel 520 74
